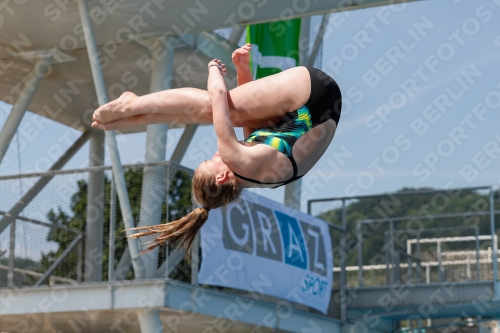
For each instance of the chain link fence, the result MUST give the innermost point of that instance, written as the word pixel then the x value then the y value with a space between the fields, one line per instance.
pixel 441 235
pixel 43 241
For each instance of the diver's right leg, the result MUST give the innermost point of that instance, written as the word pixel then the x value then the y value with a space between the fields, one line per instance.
pixel 190 102
pixel 251 105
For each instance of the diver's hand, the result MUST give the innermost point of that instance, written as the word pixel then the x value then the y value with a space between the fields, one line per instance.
pixel 241 56
pixel 217 63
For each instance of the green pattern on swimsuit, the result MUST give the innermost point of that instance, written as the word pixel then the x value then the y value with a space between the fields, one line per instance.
pixel 284 135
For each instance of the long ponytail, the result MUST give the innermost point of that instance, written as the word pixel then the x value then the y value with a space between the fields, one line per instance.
pixel 205 191
pixel 182 231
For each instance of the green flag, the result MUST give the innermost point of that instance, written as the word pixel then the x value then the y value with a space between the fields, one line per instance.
pixel 275 47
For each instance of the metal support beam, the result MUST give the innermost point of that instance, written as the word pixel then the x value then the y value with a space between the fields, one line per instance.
pixel 440 261
pixel 195 260
pixel 95 210
pixel 112 228
pixel 343 256
pixel 236 34
pixel 174 258
pixel 153 189
pixel 318 42
pixel 305 31
pixel 419 255
pixel 293 191
pixel 45 224
pixel 391 253
pixel 79 262
pixel 183 143
pixel 21 105
pixel 387 266
pixel 12 254
pixel 494 245
pixel 102 97
pixel 478 256
pixel 123 265
pixel 149 321
pixel 59 260
pixel 211 45
pixel 359 233
pixel 40 184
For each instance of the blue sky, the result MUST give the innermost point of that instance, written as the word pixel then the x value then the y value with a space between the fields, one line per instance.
pixel 421 90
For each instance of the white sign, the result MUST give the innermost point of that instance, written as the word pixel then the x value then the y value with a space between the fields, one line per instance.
pixel 259 245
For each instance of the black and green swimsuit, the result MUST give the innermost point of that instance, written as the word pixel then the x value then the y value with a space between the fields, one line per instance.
pixel 325 102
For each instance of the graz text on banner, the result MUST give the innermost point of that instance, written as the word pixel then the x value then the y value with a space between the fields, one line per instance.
pixel 262 246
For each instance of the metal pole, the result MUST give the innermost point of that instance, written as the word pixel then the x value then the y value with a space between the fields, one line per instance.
pixel 23 101
pixel 183 144
pixel 195 260
pixel 173 259
pixel 79 261
pixel 447 191
pixel 149 321
pixel 95 210
pixel 40 184
pixel 397 268
pixel 236 34
pixel 440 268
pixel 419 256
pixel 12 255
pixel 410 268
pixel 468 272
pixel 293 191
pixel 305 30
pixel 387 270
pixel 391 249
pixel 360 253
pixel 478 256
pixel 59 260
pixel 319 40
pixel 343 258
pixel 167 211
pixel 427 274
pixel 123 266
pixel 494 245
pixel 112 233
pixel 156 144
pixel 102 97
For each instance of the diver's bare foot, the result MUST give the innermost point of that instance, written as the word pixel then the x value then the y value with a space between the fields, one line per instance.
pixel 119 108
pixel 116 124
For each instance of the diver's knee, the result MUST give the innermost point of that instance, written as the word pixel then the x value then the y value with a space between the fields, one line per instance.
pixel 206 107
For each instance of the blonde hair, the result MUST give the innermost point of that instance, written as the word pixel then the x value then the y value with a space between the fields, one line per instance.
pixel 210 195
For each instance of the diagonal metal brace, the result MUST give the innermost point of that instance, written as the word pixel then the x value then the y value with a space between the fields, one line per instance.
pixel 59 260
pixel 12 214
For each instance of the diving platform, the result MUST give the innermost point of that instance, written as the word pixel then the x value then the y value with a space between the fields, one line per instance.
pixel 435 300
pixel 116 306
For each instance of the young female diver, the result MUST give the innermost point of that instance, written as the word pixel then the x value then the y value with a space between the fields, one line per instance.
pixel 288 120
